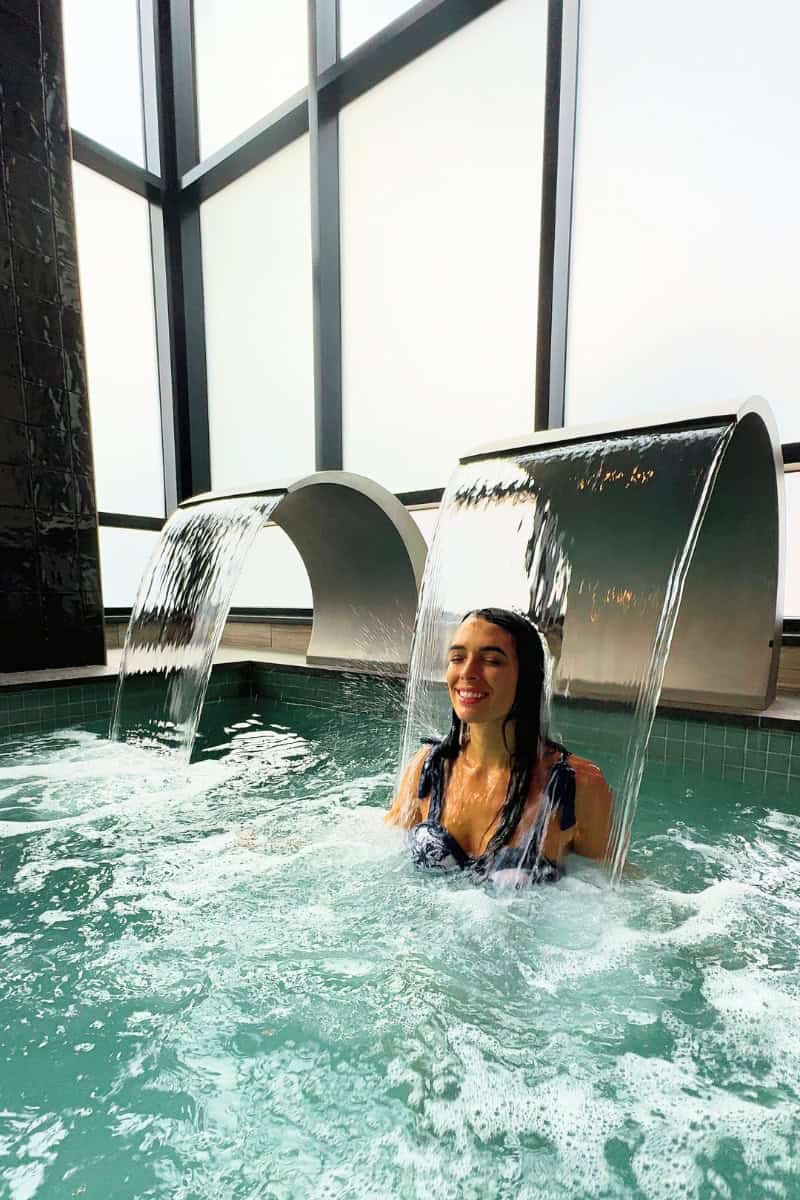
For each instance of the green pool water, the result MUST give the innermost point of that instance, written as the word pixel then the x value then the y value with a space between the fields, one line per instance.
pixel 226 980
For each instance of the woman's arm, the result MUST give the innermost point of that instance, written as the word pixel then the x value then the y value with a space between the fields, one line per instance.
pixel 405 810
pixel 594 805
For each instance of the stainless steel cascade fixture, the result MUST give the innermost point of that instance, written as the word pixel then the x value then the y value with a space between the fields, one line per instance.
pixel 725 648
pixel 364 556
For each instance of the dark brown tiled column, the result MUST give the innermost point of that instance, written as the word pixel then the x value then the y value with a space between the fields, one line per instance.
pixel 50 600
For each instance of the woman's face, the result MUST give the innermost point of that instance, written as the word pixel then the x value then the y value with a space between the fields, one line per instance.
pixel 482 671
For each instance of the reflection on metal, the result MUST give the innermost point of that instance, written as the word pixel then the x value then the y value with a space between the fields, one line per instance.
pixel 725 649
pixel 364 556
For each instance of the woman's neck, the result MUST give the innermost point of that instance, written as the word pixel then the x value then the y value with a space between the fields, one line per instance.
pixel 489 745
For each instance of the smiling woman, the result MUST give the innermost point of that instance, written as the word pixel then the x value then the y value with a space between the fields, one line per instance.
pixel 497 796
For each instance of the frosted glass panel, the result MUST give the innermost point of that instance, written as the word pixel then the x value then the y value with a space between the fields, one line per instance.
pixel 250 56
pixel 104 90
pixel 686 243
pixel 119 325
pixel 259 330
pixel 441 176
pixel 124 554
pixel 425 519
pixel 791 604
pixel 360 19
pixel 274 575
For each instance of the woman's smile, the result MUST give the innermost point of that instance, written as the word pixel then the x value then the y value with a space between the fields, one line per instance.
pixel 470 696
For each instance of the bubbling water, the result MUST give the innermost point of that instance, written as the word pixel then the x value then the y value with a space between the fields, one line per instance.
pixel 229 981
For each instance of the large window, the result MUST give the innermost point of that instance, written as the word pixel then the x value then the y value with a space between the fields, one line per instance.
pixel 124 554
pixel 259 336
pixel 104 91
pixel 274 575
pixel 119 325
pixel 250 56
pixel 361 19
pixel 441 185
pixel 686 243
pixel 791 604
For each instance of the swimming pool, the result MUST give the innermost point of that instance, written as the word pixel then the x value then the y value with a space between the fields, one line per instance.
pixel 228 981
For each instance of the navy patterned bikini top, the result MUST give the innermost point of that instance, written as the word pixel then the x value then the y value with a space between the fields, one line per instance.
pixel 433 846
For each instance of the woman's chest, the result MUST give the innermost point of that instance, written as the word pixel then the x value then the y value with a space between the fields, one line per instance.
pixel 473 808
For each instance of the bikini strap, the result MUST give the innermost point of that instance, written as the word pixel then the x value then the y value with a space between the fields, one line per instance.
pixel 562 782
pixel 559 796
pixel 431 779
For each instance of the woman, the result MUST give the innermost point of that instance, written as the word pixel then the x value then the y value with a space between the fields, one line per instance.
pixel 496 796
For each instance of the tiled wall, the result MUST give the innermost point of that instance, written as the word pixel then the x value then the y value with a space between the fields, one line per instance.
pixel 25 710
pixel 50 599
pixel 740 750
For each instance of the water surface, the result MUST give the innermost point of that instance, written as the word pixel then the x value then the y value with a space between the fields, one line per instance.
pixel 225 980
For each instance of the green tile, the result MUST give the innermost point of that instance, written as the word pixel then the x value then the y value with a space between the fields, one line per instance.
pixel 713 756
pixel 753 777
pixel 735 735
pixel 780 742
pixel 715 735
pixel 756 739
pixel 693 752
pixel 732 774
pixel 676 731
pixel 733 756
pixel 755 759
pixel 778 762
pixel 695 732
pixel 776 785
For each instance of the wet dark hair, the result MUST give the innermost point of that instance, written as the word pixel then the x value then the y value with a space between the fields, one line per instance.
pixel 525 712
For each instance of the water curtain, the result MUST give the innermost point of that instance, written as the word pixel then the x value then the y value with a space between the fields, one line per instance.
pixel 549 532
pixel 178 618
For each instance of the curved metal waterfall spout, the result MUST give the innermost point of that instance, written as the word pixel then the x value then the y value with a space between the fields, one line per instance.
pixel 364 556
pixel 725 649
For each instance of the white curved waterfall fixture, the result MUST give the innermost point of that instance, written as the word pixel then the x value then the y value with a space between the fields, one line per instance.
pixel 726 643
pixel 364 556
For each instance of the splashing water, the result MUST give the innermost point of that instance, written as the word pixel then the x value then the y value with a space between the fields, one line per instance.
pixel 549 532
pixel 178 619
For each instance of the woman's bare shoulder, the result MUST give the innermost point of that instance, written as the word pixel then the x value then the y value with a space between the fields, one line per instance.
pixel 587 771
pixel 593 808
pixel 405 805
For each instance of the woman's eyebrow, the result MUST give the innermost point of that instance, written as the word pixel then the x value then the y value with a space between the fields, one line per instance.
pixel 483 649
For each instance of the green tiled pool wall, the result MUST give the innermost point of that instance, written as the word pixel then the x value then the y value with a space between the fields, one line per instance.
pixel 738 749
pixel 730 749
pixel 375 696
pixel 41 708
